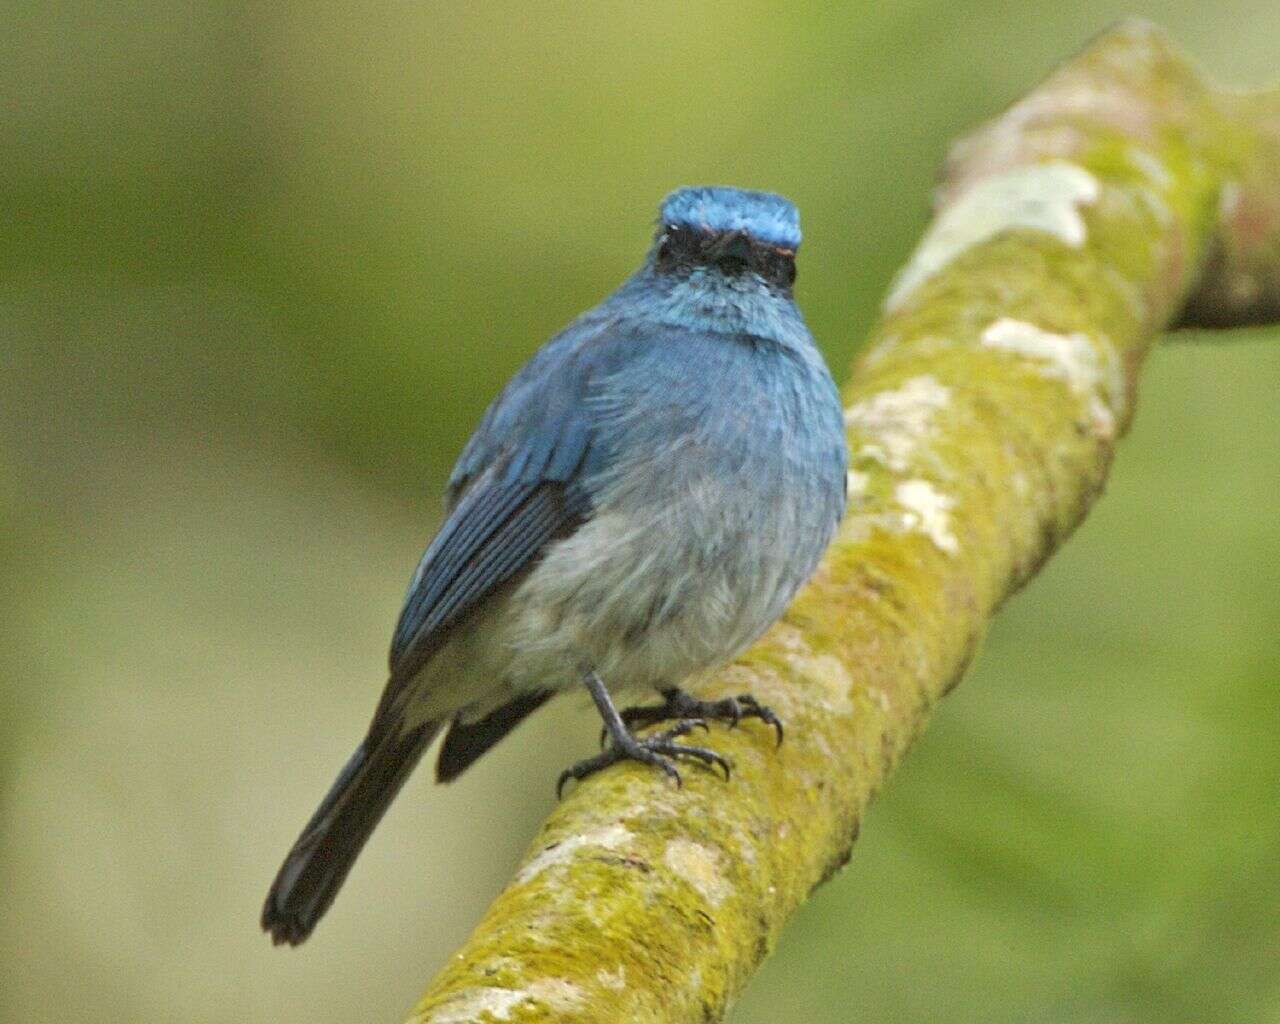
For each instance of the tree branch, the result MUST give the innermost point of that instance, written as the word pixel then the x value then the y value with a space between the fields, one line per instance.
pixel 1121 196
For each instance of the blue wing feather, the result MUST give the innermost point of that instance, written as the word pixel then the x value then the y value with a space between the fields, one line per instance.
pixel 470 569
pixel 519 483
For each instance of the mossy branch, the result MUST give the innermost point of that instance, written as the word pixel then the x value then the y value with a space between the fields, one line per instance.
pixel 1121 196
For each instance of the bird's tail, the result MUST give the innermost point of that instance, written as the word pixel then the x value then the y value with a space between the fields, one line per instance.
pixel 318 864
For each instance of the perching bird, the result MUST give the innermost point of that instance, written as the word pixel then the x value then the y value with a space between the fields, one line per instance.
pixel 638 505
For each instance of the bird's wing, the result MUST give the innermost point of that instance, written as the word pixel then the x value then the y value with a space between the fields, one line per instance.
pixel 520 482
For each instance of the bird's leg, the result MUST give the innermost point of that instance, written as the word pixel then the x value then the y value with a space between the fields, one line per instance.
pixel 658 750
pixel 678 706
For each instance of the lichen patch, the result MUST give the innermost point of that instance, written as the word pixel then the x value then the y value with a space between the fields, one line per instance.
pixel 829 672
pixel 555 994
pixel 614 980
pixel 928 510
pixel 466 1007
pixel 1089 370
pixel 892 424
pixel 700 866
pixel 610 837
pixel 1043 197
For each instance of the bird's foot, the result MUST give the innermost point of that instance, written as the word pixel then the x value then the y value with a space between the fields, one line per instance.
pixel 679 705
pixel 659 750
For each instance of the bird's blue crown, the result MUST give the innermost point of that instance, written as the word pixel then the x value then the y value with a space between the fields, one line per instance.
pixel 766 217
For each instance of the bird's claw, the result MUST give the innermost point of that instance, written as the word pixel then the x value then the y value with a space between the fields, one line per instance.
pixel 658 750
pixel 749 707
pixel 693 723
pixel 679 705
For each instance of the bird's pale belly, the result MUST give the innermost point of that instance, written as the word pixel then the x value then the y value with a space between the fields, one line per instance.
pixel 645 600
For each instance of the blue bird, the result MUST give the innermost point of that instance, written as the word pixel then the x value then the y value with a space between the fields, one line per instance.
pixel 638 505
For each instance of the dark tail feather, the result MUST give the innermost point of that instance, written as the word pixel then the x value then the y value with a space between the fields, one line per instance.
pixel 318 864
pixel 463 743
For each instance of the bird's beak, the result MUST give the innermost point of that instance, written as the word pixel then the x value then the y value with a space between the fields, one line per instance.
pixel 736 246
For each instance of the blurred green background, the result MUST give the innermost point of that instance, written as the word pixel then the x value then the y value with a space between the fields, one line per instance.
pixel 262 267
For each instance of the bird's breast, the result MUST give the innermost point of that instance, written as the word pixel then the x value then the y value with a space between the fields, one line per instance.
pixel 718 491
pixel 681 565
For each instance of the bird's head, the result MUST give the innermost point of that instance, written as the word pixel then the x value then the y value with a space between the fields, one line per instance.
pixel 734 232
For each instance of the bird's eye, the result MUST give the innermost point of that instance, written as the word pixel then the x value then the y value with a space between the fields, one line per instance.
pixel 780 267
pixel 674 240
